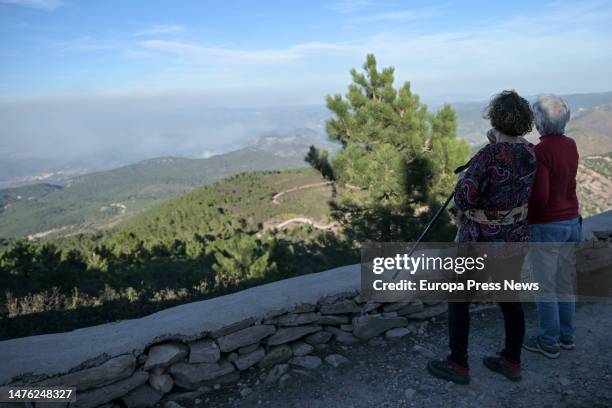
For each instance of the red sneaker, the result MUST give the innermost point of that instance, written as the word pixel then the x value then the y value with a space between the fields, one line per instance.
pixel 449 370
pixel 502 365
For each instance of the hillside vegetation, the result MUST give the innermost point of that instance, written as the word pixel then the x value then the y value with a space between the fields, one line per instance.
pixel 207 242
pixel 592 130
pixel 594 184
pixel 100 200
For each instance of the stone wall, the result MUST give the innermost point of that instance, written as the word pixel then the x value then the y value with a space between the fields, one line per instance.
pixel 185 351
pixel 278 341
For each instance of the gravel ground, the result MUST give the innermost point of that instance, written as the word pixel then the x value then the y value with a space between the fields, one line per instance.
pixel 384 373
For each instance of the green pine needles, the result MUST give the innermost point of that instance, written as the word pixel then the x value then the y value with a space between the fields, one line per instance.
pixel 397 159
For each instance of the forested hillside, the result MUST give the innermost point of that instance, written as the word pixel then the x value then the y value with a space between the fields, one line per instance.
pixel 100 200
pixel 204 243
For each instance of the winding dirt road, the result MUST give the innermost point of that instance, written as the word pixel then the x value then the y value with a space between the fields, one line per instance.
pixel 277 197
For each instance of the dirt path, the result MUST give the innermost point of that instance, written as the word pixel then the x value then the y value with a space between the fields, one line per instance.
pixel 304 220
pixel 278 196
pixel 385 373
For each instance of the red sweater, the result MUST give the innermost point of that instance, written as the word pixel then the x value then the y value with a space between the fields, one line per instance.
pixel 553 197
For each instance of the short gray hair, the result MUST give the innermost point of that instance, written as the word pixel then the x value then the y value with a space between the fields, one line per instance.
pixel 551 114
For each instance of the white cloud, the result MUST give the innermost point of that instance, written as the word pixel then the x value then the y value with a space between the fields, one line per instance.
pixel 453 64
pixel 157 29
pixel 205 54
pixel 47 5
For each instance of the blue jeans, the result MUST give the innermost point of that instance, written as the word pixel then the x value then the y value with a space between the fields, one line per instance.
pixel 553 267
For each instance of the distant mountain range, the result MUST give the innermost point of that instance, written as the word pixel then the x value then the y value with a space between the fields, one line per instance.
pixel 75 203
pixel 591 121
pixel 102 199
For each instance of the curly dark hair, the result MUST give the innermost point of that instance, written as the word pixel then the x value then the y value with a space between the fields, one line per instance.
pixel 510 114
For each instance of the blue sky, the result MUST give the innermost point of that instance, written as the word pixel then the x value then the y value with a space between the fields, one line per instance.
pixel 277 52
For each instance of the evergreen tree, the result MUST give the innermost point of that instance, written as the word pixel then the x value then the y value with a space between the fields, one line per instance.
pixel 239 258
pixel 319 160
pixel 397 159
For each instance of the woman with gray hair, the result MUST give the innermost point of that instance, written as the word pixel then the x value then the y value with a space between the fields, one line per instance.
pixel 553 217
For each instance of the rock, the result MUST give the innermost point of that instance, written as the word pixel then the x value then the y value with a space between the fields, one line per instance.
pixel 102 395
pixel 564 381
pixel 334 320
pixel 231 357
pixel 276 355
pixel 161 382
pixel 336 360
pixel 248 360
pixel 229 378
pixel 172 404
pixel 294 319
pixel 413 307
pixel 304 308
pixel 248 349
pixel 359 299
pixel 275 313
pixel 246 391
pixel 189 376
pixel 245 337
pixel 285 380
pixel 429 312
pixel 340 307
pixel 337 297
pixel 141 397
pixel 164 355
pixel 300 348
pixel 109 372
pixel 204 351
pixel 397 333
pixel 370 307
pixel 303 373
pixel 318 338
pixel 341 336
pixel 423 351
pixel 392 307
pixel 368 326
pixel 376 341
pixel 234 327
pixel 346 327
pixel 287 334
pixel 184 396
pixel 321 347
pixel 308 362
pixel 276 372
pixel 409 393
pixel 389 314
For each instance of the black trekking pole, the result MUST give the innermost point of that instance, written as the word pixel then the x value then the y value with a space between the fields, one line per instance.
pixel 435 217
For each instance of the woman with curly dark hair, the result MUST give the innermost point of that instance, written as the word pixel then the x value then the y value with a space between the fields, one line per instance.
pixel 490 205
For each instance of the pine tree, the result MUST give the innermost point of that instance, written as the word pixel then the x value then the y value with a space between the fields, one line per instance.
pixel 396 160
pixel 239 258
